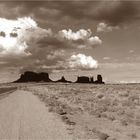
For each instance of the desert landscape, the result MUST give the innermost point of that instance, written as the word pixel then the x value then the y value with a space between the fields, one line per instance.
pixel 86 111
pixel 70 70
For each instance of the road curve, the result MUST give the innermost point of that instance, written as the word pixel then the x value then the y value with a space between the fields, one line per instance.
pixel 23 116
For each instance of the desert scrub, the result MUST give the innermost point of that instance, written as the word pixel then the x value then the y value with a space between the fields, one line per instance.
pixel 109 116
pixel 100 96
pixel 115 102
pixel 126 103
pixel 105 101
pixel 124 122
pixel 124 94
pixel 97 111
pixel 133 136
pixel 101 135
pixel 129 113
pixel 120 111
pixel 135 99
pixel 137 120
pixel 68 120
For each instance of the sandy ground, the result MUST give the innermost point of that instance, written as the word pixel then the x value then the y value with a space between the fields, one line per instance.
pixel 101 112
pixel 23 116
pixel 70 111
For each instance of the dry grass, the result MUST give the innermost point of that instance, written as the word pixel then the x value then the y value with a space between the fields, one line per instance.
pixel 113 110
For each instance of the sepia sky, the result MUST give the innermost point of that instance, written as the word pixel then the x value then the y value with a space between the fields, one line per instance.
pixel 71 38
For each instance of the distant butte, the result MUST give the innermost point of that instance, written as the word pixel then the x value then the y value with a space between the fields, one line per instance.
pixel 30 76
pixel 99 80
pixel 85 79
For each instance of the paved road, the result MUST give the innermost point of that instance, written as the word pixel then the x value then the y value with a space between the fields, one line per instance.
pixel 24 116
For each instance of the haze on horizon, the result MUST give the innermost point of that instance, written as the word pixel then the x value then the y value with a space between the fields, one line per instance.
pixel 70 38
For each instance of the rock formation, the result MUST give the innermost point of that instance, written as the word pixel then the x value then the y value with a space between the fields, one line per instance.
pixel 91 79
pixel 99 80
pixel 30 76
pixel 34 77
pixel 83 79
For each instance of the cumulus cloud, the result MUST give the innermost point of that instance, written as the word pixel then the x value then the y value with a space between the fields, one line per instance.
pixel 11 36
pixel 56 54
pixel 68 40
pixel 24 44
pixel 82 61
pixel 21 23
pixel 81 38
pixel 70 35
pixel 103 27
pixel 94 41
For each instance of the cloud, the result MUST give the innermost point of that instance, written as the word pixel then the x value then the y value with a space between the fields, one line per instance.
pixel 70 35
pixel 106 58
pixel 53 49
pixel 68 39
pixel 24 44
pixel 73 12
pixel 81 38
pixel 81 61
pixel 94 41
pixel 11 36
pixel 103 27
pixel 58 54
pixel 11 25
pixel 116 12
pixel 131 51
pixel 112 12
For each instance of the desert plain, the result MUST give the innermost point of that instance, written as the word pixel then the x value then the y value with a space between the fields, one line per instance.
pixel 72 111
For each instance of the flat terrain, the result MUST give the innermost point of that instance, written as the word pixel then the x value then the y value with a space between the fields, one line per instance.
pixel 101 112
pixel 71 111
pixel 23 116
